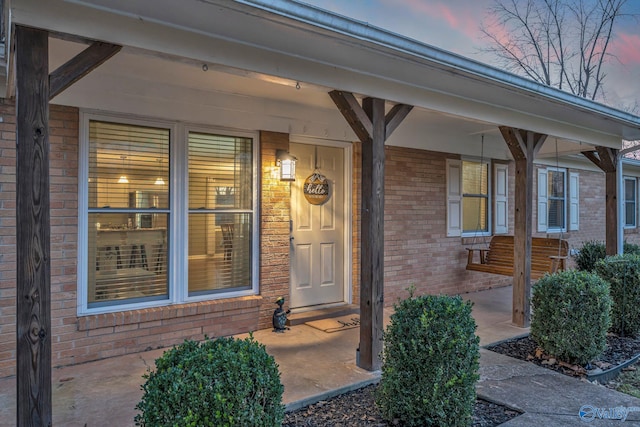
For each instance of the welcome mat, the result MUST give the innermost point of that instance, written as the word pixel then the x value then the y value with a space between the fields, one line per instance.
pixel 336 324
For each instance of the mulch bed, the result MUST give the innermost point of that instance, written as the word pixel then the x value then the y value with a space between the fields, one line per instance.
pixel 619 350
pixel 358 408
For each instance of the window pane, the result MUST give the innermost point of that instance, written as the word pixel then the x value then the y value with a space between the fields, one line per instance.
pixel 126 263
pixel 124 159
pixel 474 214
pixel 629 190
pixel 219 252
pixel 127 225
pixel 630 202
pixel 556 213
pixel 475 178
pixel 630 214
pixel 556 184
pixel 220 172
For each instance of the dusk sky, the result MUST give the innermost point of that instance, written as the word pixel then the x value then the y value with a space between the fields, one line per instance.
pixel 454 25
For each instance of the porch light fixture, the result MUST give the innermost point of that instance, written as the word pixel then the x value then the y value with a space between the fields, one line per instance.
pixel 123 178
pixel 287 164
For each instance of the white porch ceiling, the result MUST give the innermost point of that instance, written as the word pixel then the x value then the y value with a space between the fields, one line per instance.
pixel 255 59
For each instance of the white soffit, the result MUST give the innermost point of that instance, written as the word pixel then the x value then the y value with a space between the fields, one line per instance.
pixel 332 51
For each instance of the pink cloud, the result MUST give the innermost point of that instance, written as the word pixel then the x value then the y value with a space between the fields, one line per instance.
pixel 461 19
pixel 626 47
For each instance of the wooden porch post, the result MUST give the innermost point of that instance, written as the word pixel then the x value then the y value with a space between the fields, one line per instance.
pixel 607 160
pixel 34 88
pixel 33 296
pixel 524 146
pixel 372 128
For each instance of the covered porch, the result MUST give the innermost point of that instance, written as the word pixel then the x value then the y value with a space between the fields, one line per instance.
pixel 287 74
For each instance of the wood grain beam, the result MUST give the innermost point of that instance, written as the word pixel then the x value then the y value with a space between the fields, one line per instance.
pixel 607 160
pixel 395 116
pixel 372 239
pixel 33 229
pixel 353 113
pixel 372 127
pixel 524 145
pixel 591 155
pixel 79 66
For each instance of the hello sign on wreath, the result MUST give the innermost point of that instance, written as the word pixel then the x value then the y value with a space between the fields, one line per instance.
pixel 316 188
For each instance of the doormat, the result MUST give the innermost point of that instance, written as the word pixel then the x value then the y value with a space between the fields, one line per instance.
pixel 336 324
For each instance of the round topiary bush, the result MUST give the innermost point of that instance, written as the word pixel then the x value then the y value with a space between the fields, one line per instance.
pixel 622 272
pixel 590 253
pixel 430 363
pixel 221 382
pixel 571 315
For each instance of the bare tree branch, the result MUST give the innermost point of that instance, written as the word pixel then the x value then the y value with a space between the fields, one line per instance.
pixel 560 43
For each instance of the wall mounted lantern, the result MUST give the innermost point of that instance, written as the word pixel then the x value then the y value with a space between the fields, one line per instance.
pixel 287 164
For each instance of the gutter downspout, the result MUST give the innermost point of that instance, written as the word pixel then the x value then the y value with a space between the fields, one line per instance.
pixel 620 196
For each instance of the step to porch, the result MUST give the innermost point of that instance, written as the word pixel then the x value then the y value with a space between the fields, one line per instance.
pixel 321 313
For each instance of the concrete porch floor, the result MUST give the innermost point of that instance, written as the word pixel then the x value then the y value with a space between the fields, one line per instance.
pixel 313 365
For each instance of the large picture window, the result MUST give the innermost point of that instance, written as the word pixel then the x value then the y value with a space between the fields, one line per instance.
pixel 157 237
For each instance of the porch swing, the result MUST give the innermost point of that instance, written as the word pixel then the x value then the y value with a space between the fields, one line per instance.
pixel 548 255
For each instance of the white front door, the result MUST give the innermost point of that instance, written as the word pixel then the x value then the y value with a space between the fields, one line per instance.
pixel 317 231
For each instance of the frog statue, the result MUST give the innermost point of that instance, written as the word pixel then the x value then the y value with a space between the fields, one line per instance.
pixel 280 317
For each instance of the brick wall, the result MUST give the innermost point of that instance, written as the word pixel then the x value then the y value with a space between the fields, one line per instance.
pixel 356 189
pixel 7 239
pixel 274 224
pixel 417 249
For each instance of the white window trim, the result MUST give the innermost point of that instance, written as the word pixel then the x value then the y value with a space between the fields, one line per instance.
pixel 455 198
pixel 635 209
pixel 177 227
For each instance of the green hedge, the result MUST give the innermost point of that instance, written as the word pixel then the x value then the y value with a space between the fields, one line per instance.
pixel 571 315
pixel 622 272
pixel 221 382
pixel 593 251
pixel 430 363
pixel 589 254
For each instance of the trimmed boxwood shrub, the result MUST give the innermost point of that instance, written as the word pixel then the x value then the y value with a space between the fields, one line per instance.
pixel 430 363
pixel 590 253
pixel 219 382
pixel 593 251
pixel 623 274
pixel 571 315
pixel 631 248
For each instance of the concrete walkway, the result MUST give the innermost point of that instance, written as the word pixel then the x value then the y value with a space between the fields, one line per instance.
pixel 315 365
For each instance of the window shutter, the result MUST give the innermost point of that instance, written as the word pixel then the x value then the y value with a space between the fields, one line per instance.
pixel 454 198
pixel 542 200
pixel 574 200
pixel 501 199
